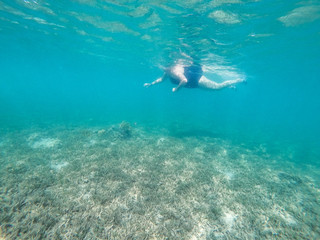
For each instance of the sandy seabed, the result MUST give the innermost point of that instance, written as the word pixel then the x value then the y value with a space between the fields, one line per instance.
pixel 124 182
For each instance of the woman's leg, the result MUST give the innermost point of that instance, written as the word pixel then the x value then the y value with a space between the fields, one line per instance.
pixel 209 84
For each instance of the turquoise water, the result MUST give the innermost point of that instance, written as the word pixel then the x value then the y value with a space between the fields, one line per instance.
pixel 80 136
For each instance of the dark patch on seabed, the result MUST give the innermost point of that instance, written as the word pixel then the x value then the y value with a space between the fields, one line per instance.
pixel 125 182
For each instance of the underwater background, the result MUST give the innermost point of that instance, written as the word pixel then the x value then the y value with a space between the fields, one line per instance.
pixel 87 152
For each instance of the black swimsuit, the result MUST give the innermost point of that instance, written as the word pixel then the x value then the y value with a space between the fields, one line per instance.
pixel 193 74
